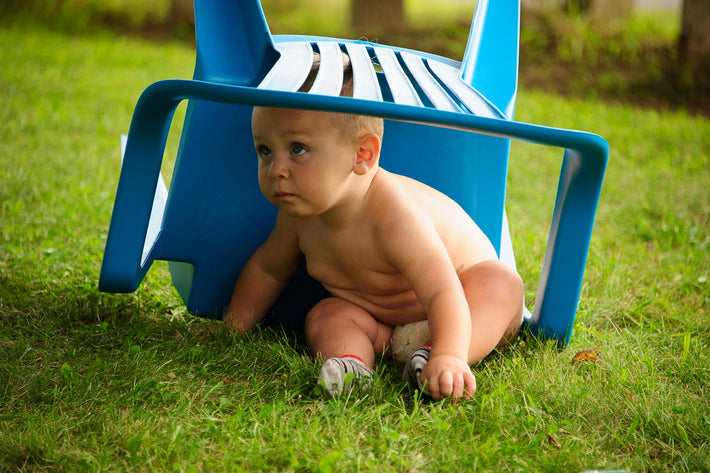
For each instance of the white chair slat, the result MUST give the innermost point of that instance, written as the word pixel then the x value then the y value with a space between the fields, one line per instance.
pixel 429 84
pixel 451 77
pixel 402 90
pixel 365 83
pixel 329 80
pixel 291 70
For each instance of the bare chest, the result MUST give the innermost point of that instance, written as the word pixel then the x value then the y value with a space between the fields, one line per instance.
pixel 351 261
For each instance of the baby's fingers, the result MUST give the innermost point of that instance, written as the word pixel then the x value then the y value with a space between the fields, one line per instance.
pixel 459 386
pixel 469 384
pixel 464 385
pixel 447 384
pixel 448 377
pixel 431 387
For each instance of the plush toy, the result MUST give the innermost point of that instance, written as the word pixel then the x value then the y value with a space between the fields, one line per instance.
pixel 407 338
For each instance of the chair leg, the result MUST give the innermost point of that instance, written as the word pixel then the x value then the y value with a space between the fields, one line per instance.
pixel 490 62
pixel 218 26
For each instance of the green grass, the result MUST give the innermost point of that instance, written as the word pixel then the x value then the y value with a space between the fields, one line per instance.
pixel 99 382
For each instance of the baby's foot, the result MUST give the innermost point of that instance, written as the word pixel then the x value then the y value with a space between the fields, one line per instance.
pixel 414 368
pixel 339 374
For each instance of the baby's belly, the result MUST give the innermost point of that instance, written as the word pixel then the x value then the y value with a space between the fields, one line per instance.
pixel 393 309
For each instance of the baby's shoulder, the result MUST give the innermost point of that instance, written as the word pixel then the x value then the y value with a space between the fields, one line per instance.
pixel 391 185
pixel 393 193
pixel 402 199
pixel 411 192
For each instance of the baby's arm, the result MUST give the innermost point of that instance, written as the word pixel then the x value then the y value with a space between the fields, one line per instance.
pixel 265 275
pixel 438 288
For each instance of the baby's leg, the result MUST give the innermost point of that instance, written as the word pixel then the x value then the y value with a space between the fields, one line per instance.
pixel 336 327
pixel 495 297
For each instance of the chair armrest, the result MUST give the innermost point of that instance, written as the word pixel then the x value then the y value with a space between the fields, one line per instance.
pixel 127 256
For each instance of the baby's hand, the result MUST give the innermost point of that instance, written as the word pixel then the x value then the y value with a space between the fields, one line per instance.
pixel 448 376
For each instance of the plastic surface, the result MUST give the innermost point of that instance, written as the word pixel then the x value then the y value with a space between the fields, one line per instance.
pixel 215 215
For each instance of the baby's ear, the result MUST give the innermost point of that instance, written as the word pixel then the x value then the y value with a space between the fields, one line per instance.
pixel 368 154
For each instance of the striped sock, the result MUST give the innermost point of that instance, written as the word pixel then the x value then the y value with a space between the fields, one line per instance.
pixel 415 365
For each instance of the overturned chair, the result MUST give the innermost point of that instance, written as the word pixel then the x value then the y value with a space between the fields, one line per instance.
pixel 214 216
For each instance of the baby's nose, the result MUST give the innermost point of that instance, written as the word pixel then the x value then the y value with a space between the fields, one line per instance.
pixel 278 168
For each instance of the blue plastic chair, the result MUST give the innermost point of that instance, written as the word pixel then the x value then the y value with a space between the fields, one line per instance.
pixel 214 216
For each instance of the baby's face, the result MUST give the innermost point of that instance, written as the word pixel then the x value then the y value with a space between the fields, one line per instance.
pixel 303 159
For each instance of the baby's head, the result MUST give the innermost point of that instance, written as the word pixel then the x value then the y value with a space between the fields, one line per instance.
pixel 309 161
pixel 355 138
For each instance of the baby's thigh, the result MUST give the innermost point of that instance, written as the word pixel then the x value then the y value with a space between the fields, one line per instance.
pixel 333 314
pixel 493 275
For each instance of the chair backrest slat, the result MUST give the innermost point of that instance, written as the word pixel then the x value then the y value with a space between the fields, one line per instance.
pixel 408 77
pixel 402 90
pixel 438 96
pixel 365 84
pixel 291 70
pixel 329 80
pixel 451 77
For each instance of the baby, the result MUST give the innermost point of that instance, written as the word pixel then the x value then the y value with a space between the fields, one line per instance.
pixel 390 250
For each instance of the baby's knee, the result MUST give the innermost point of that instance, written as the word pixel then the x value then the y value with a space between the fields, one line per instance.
pixel 495 276
pixel 509 278
pixel 323 310
pixel 334 311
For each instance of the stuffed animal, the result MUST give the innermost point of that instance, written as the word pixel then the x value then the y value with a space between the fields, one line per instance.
pixel 407 338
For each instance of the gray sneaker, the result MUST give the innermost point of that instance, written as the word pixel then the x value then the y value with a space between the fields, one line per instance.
pixel 338 375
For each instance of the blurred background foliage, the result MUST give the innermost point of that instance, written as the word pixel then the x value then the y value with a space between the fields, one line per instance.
pixel 604 48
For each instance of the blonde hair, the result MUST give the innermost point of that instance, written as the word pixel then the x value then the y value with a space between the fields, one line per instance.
pixel 351 125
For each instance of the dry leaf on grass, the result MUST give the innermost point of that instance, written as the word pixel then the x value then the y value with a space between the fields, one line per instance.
pixel 590 354
pixel 553 441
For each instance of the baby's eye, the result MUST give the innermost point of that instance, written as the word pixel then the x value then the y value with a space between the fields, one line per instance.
pixel 263 151
pixel 298 150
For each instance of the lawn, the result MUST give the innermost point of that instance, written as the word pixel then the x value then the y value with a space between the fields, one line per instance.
pixel 101 382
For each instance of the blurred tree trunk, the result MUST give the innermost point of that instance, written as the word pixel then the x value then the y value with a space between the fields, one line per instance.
pixel 181 12
pixel 694 47
pixel 604 10
pixel 377 15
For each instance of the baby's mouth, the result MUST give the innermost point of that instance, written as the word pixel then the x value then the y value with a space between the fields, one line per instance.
pixel 280 195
